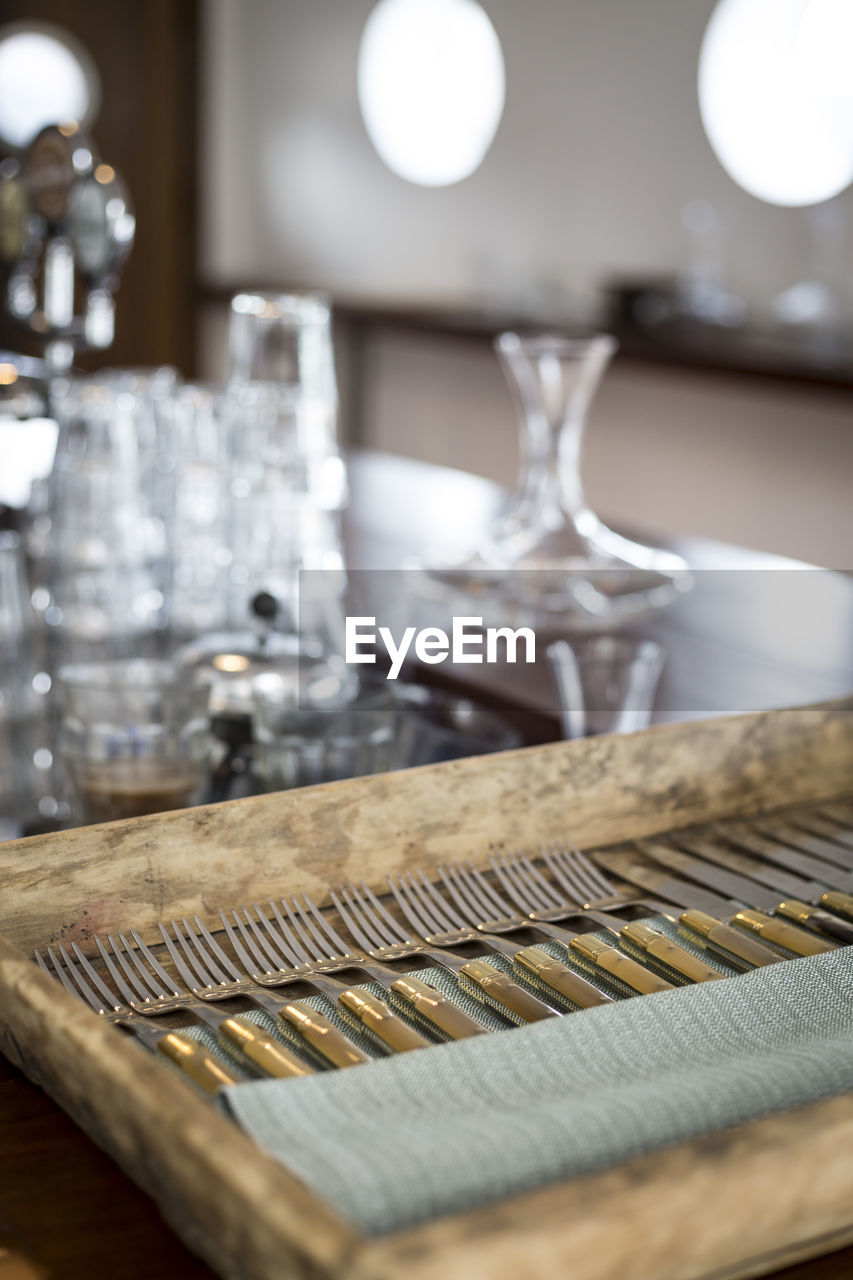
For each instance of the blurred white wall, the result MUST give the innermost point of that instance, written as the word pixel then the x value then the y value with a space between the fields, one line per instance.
pixel 599 149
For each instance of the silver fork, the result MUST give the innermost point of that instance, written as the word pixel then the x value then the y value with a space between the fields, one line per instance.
pixel 212 975
pixel 150 991
pixel 579 877
pixel 301 930
pixel 80 979
pixel 381 936
pixel 540 900
pixel 274 956
pixel 485 909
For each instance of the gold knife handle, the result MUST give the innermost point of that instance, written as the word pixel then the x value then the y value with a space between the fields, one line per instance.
pixel 835 900
pixel 266 1053
pixel 377 1018
pixel 782 933
pixel 560 978
pixel 322 1035
pixel 731 943
pixel 435 1007
pixel 669 953
pixel 500 988
pixel 618 965
pixel 196 1061
pixel 813 918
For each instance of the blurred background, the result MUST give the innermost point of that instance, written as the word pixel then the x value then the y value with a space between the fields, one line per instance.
pixel 718 253
pixel 297 285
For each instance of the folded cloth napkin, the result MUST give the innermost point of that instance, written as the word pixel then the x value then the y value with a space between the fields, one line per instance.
pixel 459 1125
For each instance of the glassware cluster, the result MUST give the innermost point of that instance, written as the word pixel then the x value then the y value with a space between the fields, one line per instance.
pixel 154 626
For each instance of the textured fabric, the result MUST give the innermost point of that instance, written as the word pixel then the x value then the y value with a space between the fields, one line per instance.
pixel 423 1134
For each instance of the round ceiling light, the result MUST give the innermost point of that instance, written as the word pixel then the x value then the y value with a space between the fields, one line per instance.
pixel 46 77
pixel 772 119
pixel 431 87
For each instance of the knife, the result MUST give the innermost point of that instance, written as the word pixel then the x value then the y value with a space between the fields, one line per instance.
pixel 815 846
pixel 769 850
pixel 769 903
pixel 819 825
pixel 700 922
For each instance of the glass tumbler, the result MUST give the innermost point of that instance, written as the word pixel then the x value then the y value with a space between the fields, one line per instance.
pixel 606 683
pixel 317 729
pixel 134 737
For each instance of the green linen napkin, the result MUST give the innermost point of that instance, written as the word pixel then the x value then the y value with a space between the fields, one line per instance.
pixel 456 1126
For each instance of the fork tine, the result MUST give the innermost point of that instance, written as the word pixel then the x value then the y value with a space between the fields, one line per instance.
pixel 569 876
pixel 83 988
pixel 285 939
pixel 309 946
pixel 581 875
pixel 57 972
pixel 132 971
pixel 441 908
pixel 411 906
pixel 464 887
pixel 192 977
pixel 109 997
pixel 525 885
pixel 204 955
pixel 148 978
pixel 230 968
pixel 499 906
pixel 151 959
pixel 115 972
pixel 267 941
pixel 238 939
pixel 371 932
pixel 335 938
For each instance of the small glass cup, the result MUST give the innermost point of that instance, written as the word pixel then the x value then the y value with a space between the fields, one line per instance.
pixel 606 683
pixel 316 728
pixel 134 737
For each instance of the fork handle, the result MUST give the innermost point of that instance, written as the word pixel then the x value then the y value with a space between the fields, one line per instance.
pixel 668 953
pixel 730 943
pixel 322 1035
pixel 377 1018
pixel 560 978
pixel 196 1061
pixel 782 933
pixel 500 988
pixel 435 1007
pixel 838 901
pixel 814 918
pixel 265 1053
pixel 617 964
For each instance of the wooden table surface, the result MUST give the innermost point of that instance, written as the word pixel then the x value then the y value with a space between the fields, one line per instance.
pixel 740 641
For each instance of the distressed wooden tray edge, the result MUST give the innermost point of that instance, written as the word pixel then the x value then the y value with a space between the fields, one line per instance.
pixel 249 1218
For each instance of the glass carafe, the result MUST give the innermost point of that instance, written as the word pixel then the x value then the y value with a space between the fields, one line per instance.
pixel 548 555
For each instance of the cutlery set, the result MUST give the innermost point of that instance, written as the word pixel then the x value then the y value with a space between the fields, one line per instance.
pixel 525 940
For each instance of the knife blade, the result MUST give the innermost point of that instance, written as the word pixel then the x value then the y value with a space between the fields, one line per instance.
pixel 819 825
pixel 813 846
pixel 701 921
pixel 743 890
pixel 770 850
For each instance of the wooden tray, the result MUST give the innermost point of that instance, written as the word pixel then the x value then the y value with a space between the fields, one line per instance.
pixel 733 1205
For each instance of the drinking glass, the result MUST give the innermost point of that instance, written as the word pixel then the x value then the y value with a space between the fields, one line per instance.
pixel 134 736
pixel 309 728
pixel 192 464
pixel 22 689
pixel 286 476
pixel 104 553
pixel 606 683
